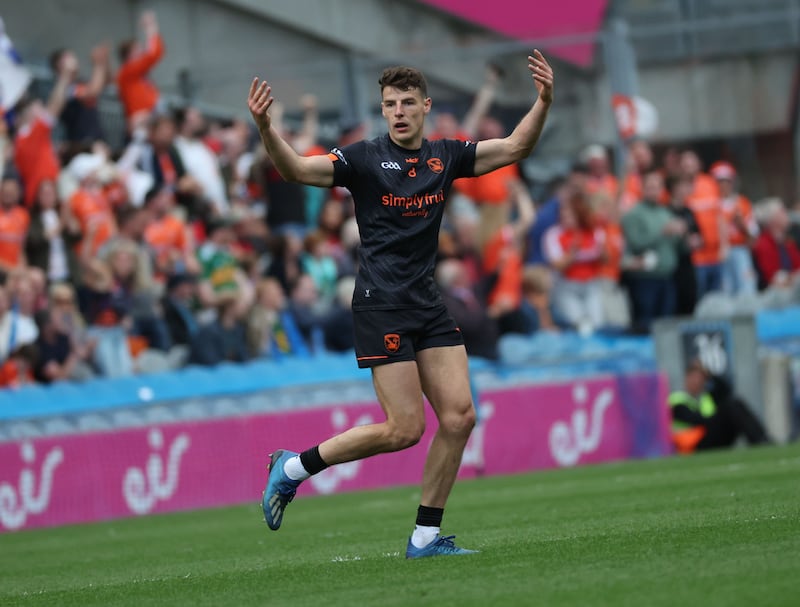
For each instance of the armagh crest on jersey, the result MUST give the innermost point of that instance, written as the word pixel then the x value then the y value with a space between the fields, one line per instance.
pixel 399 199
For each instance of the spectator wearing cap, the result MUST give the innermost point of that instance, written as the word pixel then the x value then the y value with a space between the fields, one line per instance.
pixel 738 273
pixel 599 177
pixel 90 205
pixel 14 222
pixel 777 257
pixel 139 96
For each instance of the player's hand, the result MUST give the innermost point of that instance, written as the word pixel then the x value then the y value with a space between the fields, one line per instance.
pixel 542 76
pixel 258 101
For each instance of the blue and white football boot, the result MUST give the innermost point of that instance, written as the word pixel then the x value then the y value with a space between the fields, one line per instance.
pixel 440 546
pixel 280 489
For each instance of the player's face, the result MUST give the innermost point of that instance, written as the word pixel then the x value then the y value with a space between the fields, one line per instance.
pixel 405 113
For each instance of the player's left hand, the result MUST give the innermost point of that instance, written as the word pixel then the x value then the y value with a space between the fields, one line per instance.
pixel 542 76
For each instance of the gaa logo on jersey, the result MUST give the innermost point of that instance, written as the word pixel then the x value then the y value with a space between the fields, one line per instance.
pixel 391 341
pixel 391 165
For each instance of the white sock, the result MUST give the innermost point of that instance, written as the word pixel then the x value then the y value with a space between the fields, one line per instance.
pixel 423 536
pixel 294 469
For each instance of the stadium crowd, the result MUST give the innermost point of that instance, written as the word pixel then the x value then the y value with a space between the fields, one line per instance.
pixel 186 246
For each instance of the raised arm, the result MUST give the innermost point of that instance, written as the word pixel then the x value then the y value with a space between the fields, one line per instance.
pixel 101 71
pixel 312 170
pixel 495 153
pixel 58 96
pixel 482 102
pixel 307 137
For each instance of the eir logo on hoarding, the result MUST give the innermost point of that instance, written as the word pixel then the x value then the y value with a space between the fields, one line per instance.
pixel 16 503
pixel 568 441
pixel 142 489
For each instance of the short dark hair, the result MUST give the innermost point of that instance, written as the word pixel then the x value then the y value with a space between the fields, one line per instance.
pixel 403 78
pixel 55 58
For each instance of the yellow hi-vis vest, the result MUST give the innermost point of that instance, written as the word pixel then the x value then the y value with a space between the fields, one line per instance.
pixel 704 405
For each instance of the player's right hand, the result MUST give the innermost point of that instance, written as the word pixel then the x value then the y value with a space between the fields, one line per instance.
pixel 259 101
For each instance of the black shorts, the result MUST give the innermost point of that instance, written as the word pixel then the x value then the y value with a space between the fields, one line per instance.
pixel 388 336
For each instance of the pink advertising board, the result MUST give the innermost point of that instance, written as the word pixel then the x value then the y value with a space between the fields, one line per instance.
pixel 132 472
pixel 536 21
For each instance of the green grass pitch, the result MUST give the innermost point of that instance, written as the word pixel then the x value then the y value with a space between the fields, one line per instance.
pixel 716 529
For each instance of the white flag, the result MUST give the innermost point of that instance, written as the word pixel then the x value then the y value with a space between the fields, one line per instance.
pixel 14 77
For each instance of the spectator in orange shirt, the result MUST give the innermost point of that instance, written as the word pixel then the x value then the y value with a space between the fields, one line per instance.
pixel 738 273
pixel 17 369
pixel 598 175
pixel 705 204
pixel 503 256
pixel 168 236
pixel 34 154
pixel 90 206
pixel 616 307
pixel 14 221
pixel 79 117
pixel 139 96
pixel 493 192
pixel 576 250
pixel 639 162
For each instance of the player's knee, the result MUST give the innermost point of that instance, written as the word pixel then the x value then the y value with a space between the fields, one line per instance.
pixel 459 422
pixel 405 435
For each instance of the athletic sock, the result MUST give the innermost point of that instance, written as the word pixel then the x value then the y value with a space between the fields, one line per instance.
pixel 308 463
pixel 429 522
pixel 293 468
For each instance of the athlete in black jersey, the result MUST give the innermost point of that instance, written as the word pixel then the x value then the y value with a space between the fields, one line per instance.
pixel 400 183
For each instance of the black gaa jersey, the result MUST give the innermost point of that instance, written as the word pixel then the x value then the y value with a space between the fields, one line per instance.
pixel 399 197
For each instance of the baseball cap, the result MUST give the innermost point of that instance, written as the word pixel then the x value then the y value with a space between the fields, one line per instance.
pixel 723 170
